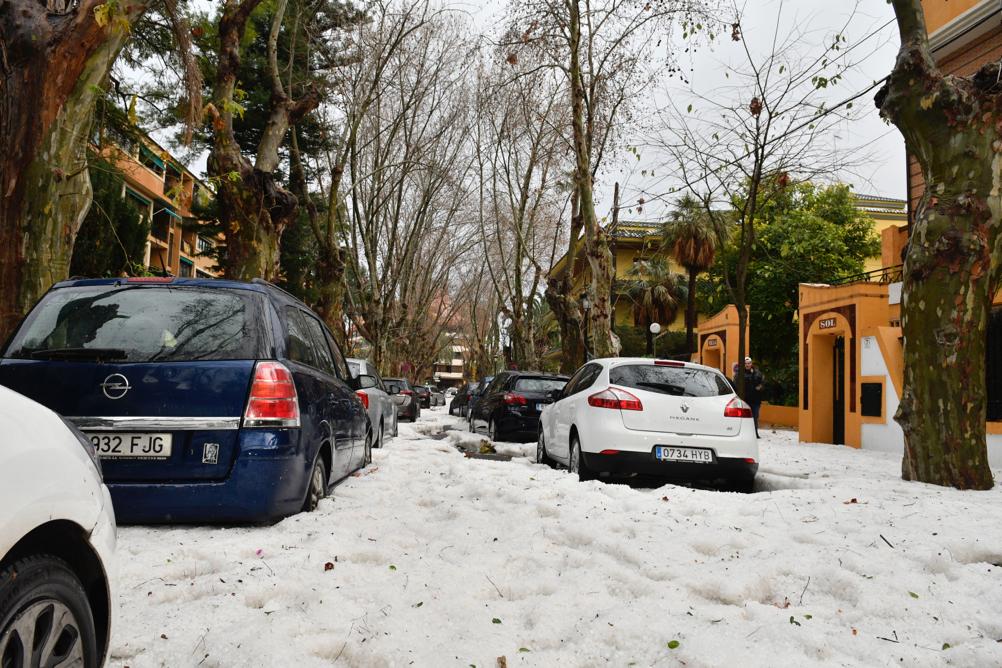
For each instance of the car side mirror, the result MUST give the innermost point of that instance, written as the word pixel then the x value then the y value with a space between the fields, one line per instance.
pixel 553 395
pixel 393 389
pixel 366 381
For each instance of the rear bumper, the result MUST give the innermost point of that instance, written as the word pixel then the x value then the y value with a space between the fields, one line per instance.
pixel 267 481
pixel 645 464
pixel 519 428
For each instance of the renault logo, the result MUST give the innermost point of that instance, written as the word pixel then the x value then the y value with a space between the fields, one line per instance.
pixel 684 407
pixel 115 386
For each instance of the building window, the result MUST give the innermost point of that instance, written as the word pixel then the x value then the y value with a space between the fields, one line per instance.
pixel 150 161
pixel 140 203
pixel 993 366
pixel 204 245
pixel 187 268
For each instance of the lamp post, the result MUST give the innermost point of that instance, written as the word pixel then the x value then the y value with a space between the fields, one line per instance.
pixel 586 308
pixel 655 330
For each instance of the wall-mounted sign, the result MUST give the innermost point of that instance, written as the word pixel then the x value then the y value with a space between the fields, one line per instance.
pixel 712 343
pixel 826 323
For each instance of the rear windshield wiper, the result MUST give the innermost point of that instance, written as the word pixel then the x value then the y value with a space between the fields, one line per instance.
pixel 89 354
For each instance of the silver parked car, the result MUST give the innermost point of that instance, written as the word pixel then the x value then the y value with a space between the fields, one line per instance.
pixel 378 403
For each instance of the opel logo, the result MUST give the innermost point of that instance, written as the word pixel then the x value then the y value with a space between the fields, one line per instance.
pixel 684 406
pixel 115 386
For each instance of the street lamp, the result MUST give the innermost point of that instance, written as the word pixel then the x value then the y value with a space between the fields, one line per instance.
pixel 655 330
pixel 586 308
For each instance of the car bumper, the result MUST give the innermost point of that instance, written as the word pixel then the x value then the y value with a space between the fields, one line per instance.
pixel 267 481
pixel 646 464
pixel 519 428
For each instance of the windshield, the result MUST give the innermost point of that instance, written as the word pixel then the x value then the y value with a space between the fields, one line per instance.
pixel 140 324
pixel 677 381
pixel 539 384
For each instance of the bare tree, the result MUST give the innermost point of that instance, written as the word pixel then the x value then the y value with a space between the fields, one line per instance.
pixel 522 158
pixel 952 266
pixel 602 50
pixel 737 149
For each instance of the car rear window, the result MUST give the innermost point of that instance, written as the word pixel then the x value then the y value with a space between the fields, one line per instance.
pixel 141 324
pixel 677 381
pixel 539 384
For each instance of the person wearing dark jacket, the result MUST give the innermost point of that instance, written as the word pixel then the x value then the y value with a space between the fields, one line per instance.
pixel 754 386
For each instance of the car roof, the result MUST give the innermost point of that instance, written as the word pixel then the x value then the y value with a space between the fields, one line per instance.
pixel 610 362
pixel 256 285
pixel 538 374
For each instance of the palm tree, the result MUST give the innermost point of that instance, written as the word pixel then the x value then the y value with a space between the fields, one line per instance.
pixel 691 239
pixel 656 293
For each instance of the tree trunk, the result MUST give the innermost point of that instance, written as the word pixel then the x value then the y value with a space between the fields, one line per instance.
pixel 649 339
pixel 596 243
pixel 690 313
pixel 568 315
pixel 51 67
pixel 951 126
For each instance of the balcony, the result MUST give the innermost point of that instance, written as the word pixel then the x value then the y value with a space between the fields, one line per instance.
pixel 882 276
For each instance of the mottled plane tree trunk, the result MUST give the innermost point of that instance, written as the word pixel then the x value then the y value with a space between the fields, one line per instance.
pixel 53 59
pixel 953 127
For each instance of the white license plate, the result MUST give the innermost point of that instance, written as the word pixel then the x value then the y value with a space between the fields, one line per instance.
pixel 693 455
pixel 119 445
pixel 539 408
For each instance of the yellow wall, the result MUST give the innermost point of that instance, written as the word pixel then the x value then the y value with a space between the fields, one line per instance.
pixel 940 12
pixel 717 338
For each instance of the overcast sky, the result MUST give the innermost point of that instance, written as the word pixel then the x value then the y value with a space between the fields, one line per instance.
pixel 884 172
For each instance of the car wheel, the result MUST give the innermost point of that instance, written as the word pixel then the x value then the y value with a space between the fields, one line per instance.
pixel 492 430
pixel 379 441
pixel 541 456
pixel 318 485
pixel 367 456
pixel 741 486
pixel 45 618
pixel 577 463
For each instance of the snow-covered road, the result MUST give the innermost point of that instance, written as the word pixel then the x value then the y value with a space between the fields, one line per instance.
pixel 428 558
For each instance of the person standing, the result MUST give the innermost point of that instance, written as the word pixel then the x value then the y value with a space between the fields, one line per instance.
pixel 754 387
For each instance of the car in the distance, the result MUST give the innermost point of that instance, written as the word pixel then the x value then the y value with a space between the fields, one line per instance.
pixel 57 541
pixel 638 416
pixel 208 400
pixel 378 403
pixel 458 404
pixel 405 397
pixel 509 408
pixel 436 396
pixel 476 389
pixel 423 393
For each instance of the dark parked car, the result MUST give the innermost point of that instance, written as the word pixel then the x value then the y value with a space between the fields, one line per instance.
pixel 206 399
pixel 404 396
pixel 423 393
pixel 458 404
pixel 475 391
pixel 508 410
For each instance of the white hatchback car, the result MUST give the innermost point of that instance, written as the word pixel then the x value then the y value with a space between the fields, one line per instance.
pixel 57 537
pixel 639 416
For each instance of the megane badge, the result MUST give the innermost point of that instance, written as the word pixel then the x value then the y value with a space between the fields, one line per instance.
pixel 684 407
pixel 115 386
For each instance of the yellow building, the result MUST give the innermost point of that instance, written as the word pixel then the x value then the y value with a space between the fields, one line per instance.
pixel 886 212
pixel 164 191
pixel 851 363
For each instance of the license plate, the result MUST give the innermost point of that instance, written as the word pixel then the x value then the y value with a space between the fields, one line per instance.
pixel 692 455
pixel 120 445
pixel 539 408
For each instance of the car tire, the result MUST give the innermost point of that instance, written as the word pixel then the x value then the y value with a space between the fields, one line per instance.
pixel 367 453
pixel 36 594
pixel 541 456
pixel 576 463
pixel 741 486
pixel 318 485
pixel 379 441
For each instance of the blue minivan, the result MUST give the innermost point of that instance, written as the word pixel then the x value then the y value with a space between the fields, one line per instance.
pixel 207 400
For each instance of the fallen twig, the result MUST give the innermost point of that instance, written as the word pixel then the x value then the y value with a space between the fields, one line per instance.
pixel 886 541
pixel 801 601
pixel 495 585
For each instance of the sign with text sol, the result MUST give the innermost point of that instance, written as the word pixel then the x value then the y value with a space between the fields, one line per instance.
pixel 827 323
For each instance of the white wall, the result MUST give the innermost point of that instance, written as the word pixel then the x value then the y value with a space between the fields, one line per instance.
pixel 886 437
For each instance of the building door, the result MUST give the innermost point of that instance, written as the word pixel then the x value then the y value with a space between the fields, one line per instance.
pixel 838 391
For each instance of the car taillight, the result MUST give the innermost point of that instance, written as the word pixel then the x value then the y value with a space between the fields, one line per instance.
pixel 273 401
pixel 513 399
pixel 364 397
pixel 614 397
pixel 409 393
pixel 737 408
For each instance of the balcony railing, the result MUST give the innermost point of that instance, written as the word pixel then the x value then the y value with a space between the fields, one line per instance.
pixel 881 276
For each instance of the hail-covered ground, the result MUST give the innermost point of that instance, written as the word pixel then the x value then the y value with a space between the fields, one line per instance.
pixel 430 558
